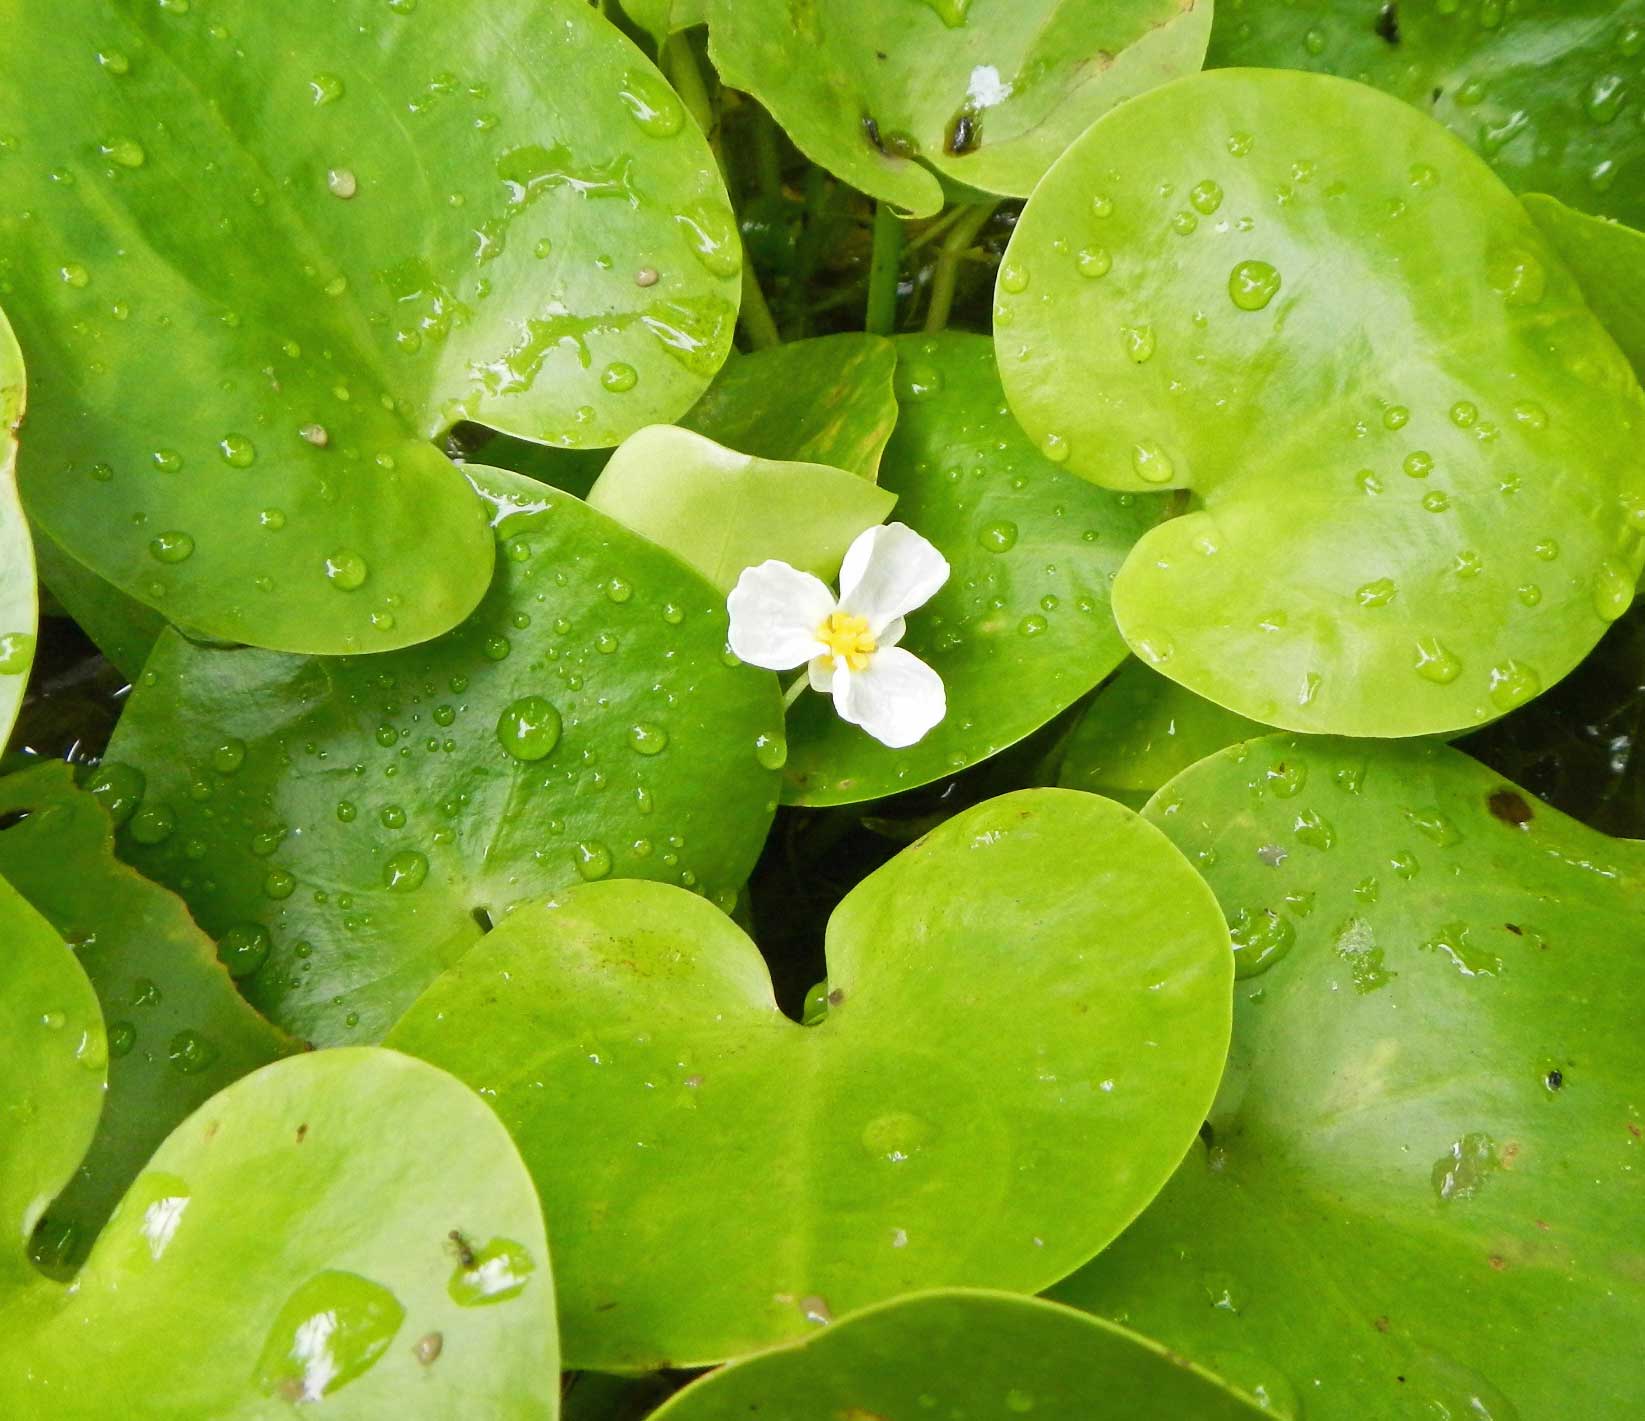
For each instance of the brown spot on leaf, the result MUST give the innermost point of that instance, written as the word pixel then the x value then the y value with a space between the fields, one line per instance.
pixel 1515 929
pixel 1381 1324
pixel 302 1132
pixel 1498 1262
pixel 836 997
pixel 1509 806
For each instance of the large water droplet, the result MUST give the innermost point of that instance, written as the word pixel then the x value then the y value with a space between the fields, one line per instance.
pixel 712 232
pixel 492 1274
pixel 1434 662
pixel 404 872
pixel 332 1329
pixel 1151 463
pixel 1252 285
pixel 1261 937
pixel 172 547
pixel 999 537
pixel 593 860
pixel 346 570
pixel 651 104
pixel 646 738
pixel 243 949
pixel 190 1053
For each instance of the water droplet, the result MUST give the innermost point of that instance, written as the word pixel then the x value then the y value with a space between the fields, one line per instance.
pixel 1261 937
pixel 190 1053
pixel 1032 625
pixel 1151 463
pixel 998 537
pixel 1377 594
pixel 651 104
pixel 332 1329
pixel 492 1274
pixel 897 1136
pixel 619 377
pixel 1138 343
pixel 152 824
pixel 1252 285
pixel 1093 261
pixel 711 231
pixel 405 871
pixel 1013 278
pixel 325 88
pixel 341 182
pixel 1517 275
pixel 1613 590
pixel 1419 463
pixel 1604 98
pixel 593 860
pixel 114 61
pixel 1460 1172
pixel 619 590
pixel 316 435
pixel 73 274
pixel 1240 144
pixel 122 1037
pixel 1512 684
pixel 647 739
pixel 1395 417
pixel 173 547
pixel 345 570
pixel 1055 447
pixel 124 151
pixel 1435 663
pixel 243 949
pixel 529 728
pixel 770 751
pixel 1019 1401
pixel 1312 829
pixel 1206 196
pixel 118 788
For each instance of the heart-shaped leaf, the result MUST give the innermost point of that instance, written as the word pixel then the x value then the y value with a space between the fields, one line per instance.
pixel 51 1076
pixel 18 609
pixel 259 258
pixel 355 821
pixel 1139 731
pixel 966 1353
pixel 351 1227
pixel 1608 261
pixel 721 511
pixel 1404 531
pixel 1027 1017
pixel 987 95
pixel 1022 628
pixel 1547 91
pixel 1420 1191
pixel 177 1029
pixel 823 401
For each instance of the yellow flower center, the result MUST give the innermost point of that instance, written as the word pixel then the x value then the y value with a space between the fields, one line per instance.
pixel 847 635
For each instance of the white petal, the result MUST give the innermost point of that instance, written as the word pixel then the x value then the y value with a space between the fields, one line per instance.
pixel 775 612
pixel 888 571
pixel 891 633
pixel 896 698
pixel 820 672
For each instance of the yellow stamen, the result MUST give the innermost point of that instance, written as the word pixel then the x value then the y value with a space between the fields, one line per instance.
pixel 847 635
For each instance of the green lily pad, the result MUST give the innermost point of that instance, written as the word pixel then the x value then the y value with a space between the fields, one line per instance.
pixel 1547 91
pixel 177 1030
pixel 987 95
pixel 1139 731
pixel 1404 531
pixel 51 1076
pixel 966 1353
pixel 823 401
pixel 19 611
pixel 1608 260
pixel 351 1227
pixel 720 511
pixel 259 260
pixel 1022 629
pixel 1419 1189
pixel 968 1112
pixel 354 823
pixel 123 628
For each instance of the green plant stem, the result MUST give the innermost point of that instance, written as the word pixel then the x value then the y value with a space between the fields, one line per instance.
pixel 884 271
pixel 755 317
pixel 686 75
pixel 935 228
pixel 954 246
pixel 767 157
pixel 794 692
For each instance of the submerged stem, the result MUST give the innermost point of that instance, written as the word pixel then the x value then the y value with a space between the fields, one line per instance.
pixel 949 254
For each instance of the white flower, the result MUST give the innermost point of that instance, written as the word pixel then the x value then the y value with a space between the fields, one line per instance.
pixel 782 618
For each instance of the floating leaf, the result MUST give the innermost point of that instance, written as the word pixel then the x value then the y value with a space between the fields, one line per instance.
pixel 1022 628
pixel 1547 91
pixel 51 1076
pixel 1139 731
pixel 1430 1130
pixel 970 1111
pixel 720 511
pixel 823 401
pixel 1414 452
pixel 974 1353
pixel 19 612
pixel 177 1029
pixel 987 95
pixel 1608 260
pixel 369 815
pixel 259 259
pixel 349 1226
